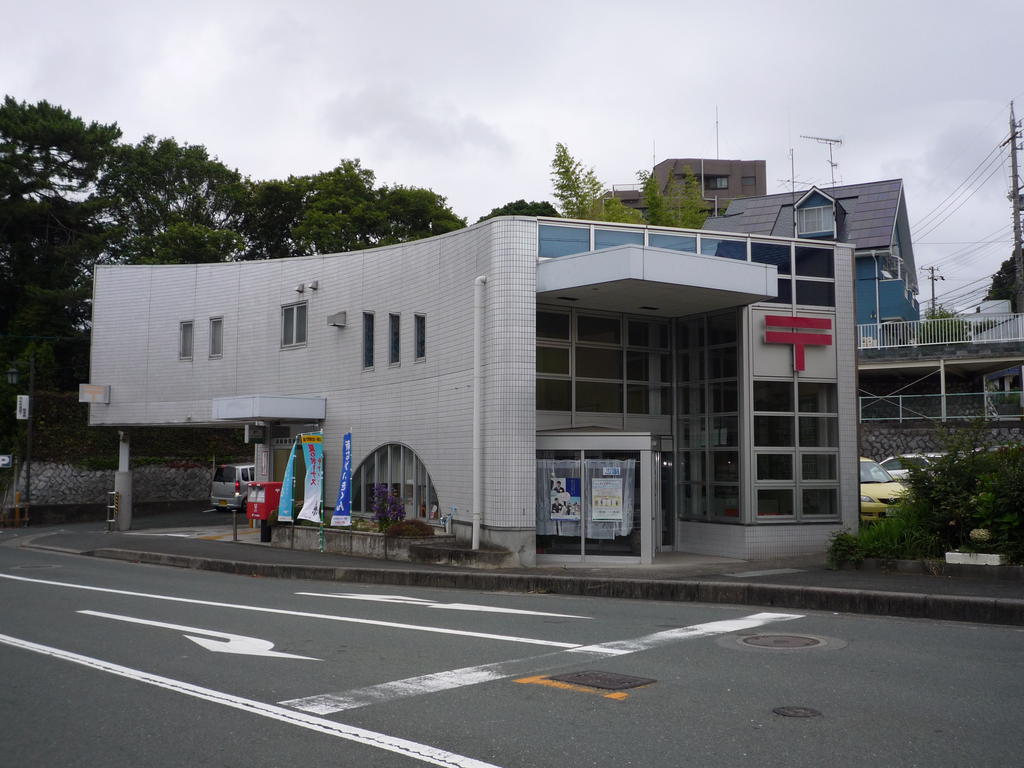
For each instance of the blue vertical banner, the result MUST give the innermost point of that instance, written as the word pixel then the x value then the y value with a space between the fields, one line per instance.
pixel 284 510
pixel 343 508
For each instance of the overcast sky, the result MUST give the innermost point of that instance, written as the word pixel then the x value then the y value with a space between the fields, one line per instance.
pixel 468 98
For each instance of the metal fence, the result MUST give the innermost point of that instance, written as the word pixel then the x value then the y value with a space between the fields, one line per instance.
pixel 970 405
pixel 962 329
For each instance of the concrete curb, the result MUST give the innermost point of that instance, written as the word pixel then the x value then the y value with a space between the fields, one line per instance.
pixel 982 610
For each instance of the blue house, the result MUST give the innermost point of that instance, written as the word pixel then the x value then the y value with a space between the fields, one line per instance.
pixel 872 216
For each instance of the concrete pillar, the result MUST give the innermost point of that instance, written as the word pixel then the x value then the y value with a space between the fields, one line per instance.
pixel 123 483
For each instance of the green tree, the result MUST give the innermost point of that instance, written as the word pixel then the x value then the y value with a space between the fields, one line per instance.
pixel 522 208
pixel 686 201
pixel 50 228
pixel 580 193
pixel 170 203
pixel 1004 284
pixel 659 212
pixel 271 212
pixel 412 213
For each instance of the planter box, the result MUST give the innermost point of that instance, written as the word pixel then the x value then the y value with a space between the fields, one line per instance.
pixel 973 558
pixel 341 541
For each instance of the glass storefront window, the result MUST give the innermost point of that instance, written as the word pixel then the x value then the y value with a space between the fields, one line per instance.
pixel 672 242
pixel 598 329
pixel 814 262
pixel 725 466
pixel 644 399
pixel 609 238
pixel 724 431
pixel 816 397
pixel 785 292
pixel 722 363
pixel 724 398
pixel 815 294
pixel 398 467
pixel 773 396
pixel 774 466
pixel 819 431
pixel 727 249
pixel 554 395
pixel 722 329
pixel 598 397
pixel 553 360
pixel 598 363
pixel 771 253
pixel 818 466
pixel 555 240
pixel 553 325
pixel 646 334
pixel 820 502
pixel 774 502
pixel 774 431
pixel 725 501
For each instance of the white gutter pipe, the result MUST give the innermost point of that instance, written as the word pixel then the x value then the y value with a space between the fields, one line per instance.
pixel 478 391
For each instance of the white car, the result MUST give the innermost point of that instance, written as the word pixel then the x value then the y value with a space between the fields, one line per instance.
pixel 230 489
pixel 899 466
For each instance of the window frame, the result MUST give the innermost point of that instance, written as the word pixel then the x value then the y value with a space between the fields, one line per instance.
pixel 290 324
pixel 394 338
pixel 369 319
pixel 184 325
pixel 216 335
pixel 803 214
pixel 419 337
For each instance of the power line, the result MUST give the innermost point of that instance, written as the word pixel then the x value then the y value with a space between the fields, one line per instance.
pixel 932 227
pixel 921 222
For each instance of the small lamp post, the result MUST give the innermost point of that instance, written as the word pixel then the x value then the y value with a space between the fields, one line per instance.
pixel 12 378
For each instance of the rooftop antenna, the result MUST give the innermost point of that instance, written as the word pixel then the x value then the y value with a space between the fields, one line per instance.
pixel 718 155
pixel 831 143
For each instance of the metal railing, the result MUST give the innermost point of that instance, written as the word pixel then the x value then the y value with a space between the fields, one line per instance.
pixel 965 405
pixel 962 329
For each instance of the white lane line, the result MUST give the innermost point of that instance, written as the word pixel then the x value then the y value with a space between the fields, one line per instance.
pixel 401 599
pixel 327 703
pixel 422 752
pixel 227 642
pixel 302 614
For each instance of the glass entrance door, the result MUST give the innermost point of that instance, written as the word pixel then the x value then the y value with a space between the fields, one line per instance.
pixel 589 503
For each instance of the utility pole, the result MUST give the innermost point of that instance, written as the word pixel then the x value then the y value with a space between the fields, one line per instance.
pixel 1018 261
pixel 933 276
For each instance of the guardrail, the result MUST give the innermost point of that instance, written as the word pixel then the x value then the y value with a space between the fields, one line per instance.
pixel 962 329
pixel 964 405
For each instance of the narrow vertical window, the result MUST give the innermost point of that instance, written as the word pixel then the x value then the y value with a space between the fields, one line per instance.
pixel 421 337
pixel 216 336
pixel 367 339
pixel 394 339
pixel 185 340
pixel 293 324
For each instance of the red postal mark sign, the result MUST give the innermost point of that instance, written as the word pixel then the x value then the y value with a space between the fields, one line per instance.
pixel 797 336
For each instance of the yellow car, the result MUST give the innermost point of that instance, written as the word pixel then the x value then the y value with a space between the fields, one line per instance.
pixel 879 491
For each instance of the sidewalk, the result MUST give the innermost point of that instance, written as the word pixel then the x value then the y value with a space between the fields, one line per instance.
pixel 802 583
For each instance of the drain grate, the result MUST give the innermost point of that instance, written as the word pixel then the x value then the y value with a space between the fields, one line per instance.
pixel 608 681
pixel 796 712
pixel 781 641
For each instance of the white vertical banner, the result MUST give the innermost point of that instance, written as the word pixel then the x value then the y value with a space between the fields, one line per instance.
pixel 312 446
pixel 21 409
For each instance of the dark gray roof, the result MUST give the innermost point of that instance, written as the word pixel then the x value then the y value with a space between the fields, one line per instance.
pixel 871 212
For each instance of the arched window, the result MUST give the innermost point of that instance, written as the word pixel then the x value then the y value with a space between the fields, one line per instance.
pixel 399 467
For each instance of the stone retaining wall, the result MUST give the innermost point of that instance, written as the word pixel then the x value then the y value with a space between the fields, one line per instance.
pixel 57 483
pixel 879 441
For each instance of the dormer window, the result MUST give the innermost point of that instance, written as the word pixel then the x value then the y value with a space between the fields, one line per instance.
pixel 814 221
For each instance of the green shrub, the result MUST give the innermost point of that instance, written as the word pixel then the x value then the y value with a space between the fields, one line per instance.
pixel 412 527
pixel 844 548
pixel 899 538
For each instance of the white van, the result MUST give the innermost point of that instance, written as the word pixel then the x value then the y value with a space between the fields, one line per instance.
pixel 230 488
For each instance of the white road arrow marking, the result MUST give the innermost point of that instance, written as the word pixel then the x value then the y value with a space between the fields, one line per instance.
pixel 401 599
pixel 225 642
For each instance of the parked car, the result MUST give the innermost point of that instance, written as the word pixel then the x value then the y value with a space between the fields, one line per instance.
pixel 230 489
pixel 899 466
pixel 879 491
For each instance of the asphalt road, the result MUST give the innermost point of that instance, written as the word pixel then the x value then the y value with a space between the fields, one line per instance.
pixel 115 664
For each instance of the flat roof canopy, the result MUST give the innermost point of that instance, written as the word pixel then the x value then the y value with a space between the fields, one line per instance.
pixel 269 408
pixel 653 281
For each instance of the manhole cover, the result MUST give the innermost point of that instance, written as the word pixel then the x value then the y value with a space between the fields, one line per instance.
pixel 781 641
pixel 606 680
pixel 796 712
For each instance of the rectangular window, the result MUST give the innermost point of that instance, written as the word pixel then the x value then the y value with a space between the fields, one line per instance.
pixel 185 340
pixel 293 324
pixel 716 182
pixel 367 339
pixel 394 339
pixel 814 221
pixel 216 336
pixel 815 293
pixel 421 337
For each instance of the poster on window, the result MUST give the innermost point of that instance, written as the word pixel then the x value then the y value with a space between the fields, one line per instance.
pixel 606 499
pixel 565 498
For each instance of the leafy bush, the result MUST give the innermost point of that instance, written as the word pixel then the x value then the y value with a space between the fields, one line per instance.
pixel 411 527
pixel 899 538
pixel 844 548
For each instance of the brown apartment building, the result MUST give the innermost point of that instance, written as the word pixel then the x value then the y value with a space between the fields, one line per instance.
pixel 721 181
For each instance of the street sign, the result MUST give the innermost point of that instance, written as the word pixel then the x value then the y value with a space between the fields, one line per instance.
pixel 21 411
pixel 6 461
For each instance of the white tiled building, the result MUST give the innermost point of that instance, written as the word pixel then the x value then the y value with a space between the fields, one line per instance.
pixel 656 376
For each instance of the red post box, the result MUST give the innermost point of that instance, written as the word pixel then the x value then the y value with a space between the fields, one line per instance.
pixel 264 499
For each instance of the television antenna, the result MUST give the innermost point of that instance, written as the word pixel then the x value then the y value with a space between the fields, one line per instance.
pixel 831 143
